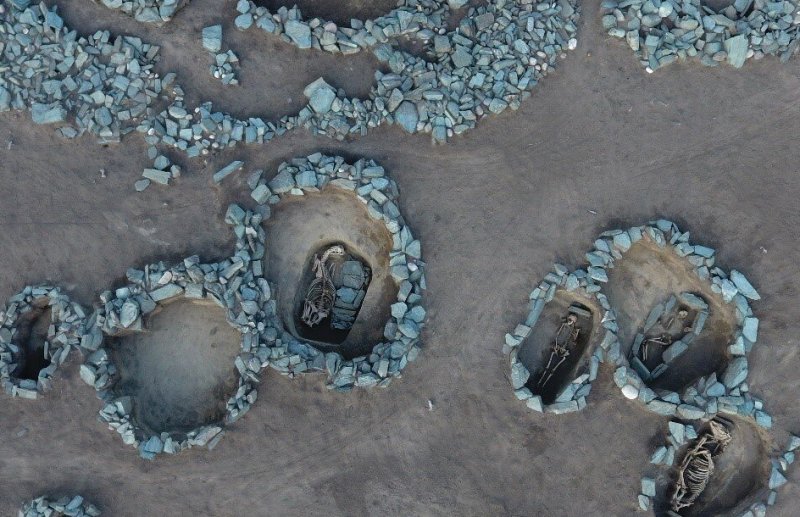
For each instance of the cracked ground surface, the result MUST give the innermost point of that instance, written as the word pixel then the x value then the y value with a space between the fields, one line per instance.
pixel 712 149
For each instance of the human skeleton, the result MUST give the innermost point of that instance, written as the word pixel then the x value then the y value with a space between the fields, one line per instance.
pixel 566 336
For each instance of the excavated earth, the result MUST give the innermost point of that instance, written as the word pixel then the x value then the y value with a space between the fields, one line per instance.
pixel 599 145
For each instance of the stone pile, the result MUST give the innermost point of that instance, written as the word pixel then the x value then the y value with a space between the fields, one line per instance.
pixel 679 434
pixel 662 32
pixel 108 85
pixel 157 12
pixel 486 65
pixel 225 63
pixel 66 506
pixel 351 282
pixel 703 398
pixel 66 332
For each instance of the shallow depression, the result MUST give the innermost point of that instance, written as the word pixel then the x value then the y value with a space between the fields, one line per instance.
pixel 646 276
pixel 301 226
pixel 180 370
pixel 534 353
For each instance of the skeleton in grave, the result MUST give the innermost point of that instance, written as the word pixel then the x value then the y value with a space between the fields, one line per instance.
pixel 321 293
pixel 566 338
pixel 697 466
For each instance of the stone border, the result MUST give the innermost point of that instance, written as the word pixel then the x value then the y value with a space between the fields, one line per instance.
pixel 484 66
pixel 230 285
pixel 69 506
pixel 67 330
pixel 706 396
pixel 157 12
pixel 368 182
pixel 661 33
pixel 573 397
pixel 680 433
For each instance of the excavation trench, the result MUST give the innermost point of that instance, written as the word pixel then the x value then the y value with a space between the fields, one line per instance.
pixel 180 370
pixel 648 276
pixel 340 12
pixel 304 226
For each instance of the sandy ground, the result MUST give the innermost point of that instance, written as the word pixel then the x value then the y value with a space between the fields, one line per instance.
pixel 713 149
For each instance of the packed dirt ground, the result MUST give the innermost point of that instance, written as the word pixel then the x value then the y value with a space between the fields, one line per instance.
pixel 599 145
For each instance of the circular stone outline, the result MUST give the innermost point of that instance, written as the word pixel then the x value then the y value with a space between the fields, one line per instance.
pixel 702 397
pixel 69 506
pixel 67 322
pixel 759 33
pixel 545 291
pixel 369 183
pixel 678 433
pixel 228 283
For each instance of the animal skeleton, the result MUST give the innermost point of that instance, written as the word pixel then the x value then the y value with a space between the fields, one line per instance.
pixel 698 465
pixel 321 293
pixel 560 350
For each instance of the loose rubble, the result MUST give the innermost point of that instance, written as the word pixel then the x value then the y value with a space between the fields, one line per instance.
pixel 679 434
pixel 573 396
pixel 662 32
pixel 225 63
pixel 67 331
pixel 157 12
pixel 67 506
pixel 107 86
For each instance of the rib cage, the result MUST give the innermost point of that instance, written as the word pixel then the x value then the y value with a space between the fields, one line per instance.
pixel 321 293
pixel 698 466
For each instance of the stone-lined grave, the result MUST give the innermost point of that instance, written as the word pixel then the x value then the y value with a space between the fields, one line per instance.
pixel 746 470
pixel 39 327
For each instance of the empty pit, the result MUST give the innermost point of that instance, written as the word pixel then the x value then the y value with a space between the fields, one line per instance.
pixel 647 276
pixel 180 369
pixel 740 478
pixel 535 351
pixel 303 226
pixel 339 12
pixel 31 340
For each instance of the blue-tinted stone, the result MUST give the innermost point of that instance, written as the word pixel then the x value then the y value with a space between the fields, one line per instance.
pixel 212 38
pixel 407 116
pixel 736 373
pixel 299 33
pixel 519 375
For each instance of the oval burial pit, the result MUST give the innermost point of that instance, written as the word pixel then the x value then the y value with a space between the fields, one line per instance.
pixel 179 371
pixel 660 302
pixel 303 228
pixel 740 476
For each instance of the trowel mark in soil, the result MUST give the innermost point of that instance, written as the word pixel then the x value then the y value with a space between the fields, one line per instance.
pixel 180 370
pixel 339 12
pixel 648 276
pixel 32 342
pixel 557 350
pixel 739 478
pixel 306 225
